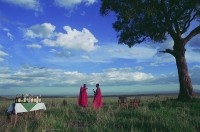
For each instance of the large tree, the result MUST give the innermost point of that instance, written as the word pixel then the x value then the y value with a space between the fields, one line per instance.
pixel 141 20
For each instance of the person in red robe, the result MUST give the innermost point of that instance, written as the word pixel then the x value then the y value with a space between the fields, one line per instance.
pixel 83 97
pixel 97 101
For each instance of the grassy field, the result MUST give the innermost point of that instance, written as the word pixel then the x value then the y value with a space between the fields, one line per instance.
pixel 156 114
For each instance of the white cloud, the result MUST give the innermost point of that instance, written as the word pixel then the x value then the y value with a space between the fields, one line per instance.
pixel 85 57
pixel 125 74
pixel 28 4
pixel 90 2
pixel 73 39
pixel 44 30
pixel 34 46
pixel 4 69
pixel 72 3
pixel 3 53
pixel 139 53
pixel 1 59
pixel 139 68
pixel 39 76
pixel 107 52
pixel 61 53
pixel 9 35
pixel 120 76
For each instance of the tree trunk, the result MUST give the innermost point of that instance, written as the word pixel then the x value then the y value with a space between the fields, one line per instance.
pixel 186 90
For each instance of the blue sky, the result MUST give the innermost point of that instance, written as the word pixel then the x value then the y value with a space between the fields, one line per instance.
pixel 54 46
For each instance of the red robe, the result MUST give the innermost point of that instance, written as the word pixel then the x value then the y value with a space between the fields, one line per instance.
pixel 83 97
pixel 97 102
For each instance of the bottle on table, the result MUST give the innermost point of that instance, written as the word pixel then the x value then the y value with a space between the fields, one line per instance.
pixel 31 99
pixel 19 99
pixel 16 99
pixel 40 99
pixel 37 99
pixel 34 99
pixel 22 98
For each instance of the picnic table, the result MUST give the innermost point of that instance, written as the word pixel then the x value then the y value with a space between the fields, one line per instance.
pixel 16 108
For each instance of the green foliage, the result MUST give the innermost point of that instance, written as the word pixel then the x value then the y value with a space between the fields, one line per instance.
pixel 155 114
pixel 139 20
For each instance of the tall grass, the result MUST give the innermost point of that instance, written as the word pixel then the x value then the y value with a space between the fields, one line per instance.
pixel 156 114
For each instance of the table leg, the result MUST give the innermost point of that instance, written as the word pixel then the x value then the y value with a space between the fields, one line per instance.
pixel 11 118
pixel 34 113
pixel 40 113
pixel 15 119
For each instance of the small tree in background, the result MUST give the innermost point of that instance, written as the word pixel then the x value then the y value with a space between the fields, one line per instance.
pixel 140 20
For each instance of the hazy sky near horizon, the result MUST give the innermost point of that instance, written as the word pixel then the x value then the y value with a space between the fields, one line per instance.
pixel 56 44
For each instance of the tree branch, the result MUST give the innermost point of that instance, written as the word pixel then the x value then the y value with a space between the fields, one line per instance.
pixel 192 34
pixel 177 28
pixel 168 51
pixel 168 22
pixel 187 23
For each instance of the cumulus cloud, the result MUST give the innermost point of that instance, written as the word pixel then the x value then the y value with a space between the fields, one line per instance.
pixel 28 4
pixel 34 46
pixel 68 4
pixel 126 75
pixel 73 39
pixel 44 30
pixel 40 76
pixel 4 70
pixel 74 78
pixel 28 76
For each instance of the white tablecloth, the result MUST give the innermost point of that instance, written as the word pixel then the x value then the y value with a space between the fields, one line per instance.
pixel 19 108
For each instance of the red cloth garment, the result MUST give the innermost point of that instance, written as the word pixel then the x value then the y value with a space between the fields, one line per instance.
pixel 97 101
pixel 83 97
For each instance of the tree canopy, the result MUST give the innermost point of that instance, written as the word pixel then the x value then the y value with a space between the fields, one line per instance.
pixel 140 20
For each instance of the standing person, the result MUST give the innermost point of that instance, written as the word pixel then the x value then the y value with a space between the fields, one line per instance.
pixel 97 101
pixel 83 97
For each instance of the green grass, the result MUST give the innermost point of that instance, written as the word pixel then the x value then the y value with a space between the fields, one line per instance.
pixel 156 114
